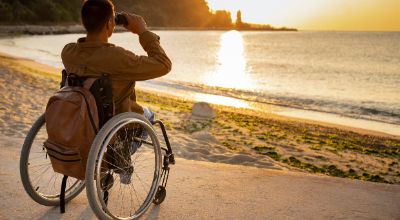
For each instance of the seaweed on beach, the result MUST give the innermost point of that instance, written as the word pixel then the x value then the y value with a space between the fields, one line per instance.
pixel 288 142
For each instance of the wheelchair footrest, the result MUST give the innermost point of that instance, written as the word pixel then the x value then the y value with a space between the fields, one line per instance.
pixel 160 195
pixel 161 191
pixel 171 159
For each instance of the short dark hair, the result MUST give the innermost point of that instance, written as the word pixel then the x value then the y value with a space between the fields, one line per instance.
pixel 95 14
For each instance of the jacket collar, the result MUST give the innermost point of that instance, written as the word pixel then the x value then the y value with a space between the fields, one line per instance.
pixel 82 43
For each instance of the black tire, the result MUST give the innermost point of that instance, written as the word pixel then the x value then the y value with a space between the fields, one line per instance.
pixel 142 165
pixel 41 183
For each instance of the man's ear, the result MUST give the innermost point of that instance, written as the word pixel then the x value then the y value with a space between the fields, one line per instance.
pixel 108 28
pixel 108 25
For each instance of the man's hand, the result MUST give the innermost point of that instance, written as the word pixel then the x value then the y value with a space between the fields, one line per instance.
pixel 136 23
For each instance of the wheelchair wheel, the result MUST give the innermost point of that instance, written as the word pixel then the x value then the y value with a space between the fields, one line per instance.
pixel 38 178
pixel 124 167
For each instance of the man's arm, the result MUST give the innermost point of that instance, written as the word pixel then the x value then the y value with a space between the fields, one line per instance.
pixel 151 44
pixel 154 65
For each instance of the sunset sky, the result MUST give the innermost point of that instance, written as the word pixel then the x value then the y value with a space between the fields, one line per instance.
pixel 378 15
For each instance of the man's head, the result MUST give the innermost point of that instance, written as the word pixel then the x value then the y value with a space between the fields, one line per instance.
pixel 98 16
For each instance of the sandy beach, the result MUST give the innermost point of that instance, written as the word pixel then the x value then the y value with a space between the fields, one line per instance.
pixel 235 136
pixel 258 152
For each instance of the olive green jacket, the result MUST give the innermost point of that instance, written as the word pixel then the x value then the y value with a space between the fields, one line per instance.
pixel 123 66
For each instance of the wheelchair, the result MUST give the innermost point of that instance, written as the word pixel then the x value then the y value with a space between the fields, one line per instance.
pixel 125 171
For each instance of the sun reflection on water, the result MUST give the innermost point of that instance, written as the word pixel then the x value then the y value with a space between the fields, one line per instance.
pixel 231 70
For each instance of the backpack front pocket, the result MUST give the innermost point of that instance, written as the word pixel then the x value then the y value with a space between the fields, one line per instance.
pixel 65 160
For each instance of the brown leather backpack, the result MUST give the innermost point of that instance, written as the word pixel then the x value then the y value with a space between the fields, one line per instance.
pixel 72 122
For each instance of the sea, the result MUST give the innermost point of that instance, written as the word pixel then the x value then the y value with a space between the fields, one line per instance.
pixel 347 78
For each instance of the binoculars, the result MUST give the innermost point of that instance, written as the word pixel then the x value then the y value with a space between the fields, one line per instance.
pixel 120 19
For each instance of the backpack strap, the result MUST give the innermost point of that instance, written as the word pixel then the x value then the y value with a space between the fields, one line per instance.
pixel 63 78
pixel 128 91
pixel 73 80
pixel 62 194
pixel 88 83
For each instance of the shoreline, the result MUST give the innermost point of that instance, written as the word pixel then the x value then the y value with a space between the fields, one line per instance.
pixel 360 125
pixel 78 29
pixel 235 136
pixel 50 70
pixel 28 29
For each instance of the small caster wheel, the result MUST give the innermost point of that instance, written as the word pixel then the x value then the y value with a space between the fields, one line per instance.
pixel 160 195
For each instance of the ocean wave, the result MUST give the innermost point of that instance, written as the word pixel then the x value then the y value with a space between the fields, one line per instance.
pixel 375 111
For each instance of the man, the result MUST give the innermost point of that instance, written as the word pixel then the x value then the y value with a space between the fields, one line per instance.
pixel 93 55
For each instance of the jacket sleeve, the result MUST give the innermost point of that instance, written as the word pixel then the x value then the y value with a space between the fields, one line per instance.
pixel 136 68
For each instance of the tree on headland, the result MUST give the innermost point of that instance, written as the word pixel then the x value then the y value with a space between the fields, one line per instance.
pixel 239 23
pixel 39 11
pixel 220 19
pixel 157 13
pixel 169 13
pixel 176 13
pixel 238 19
